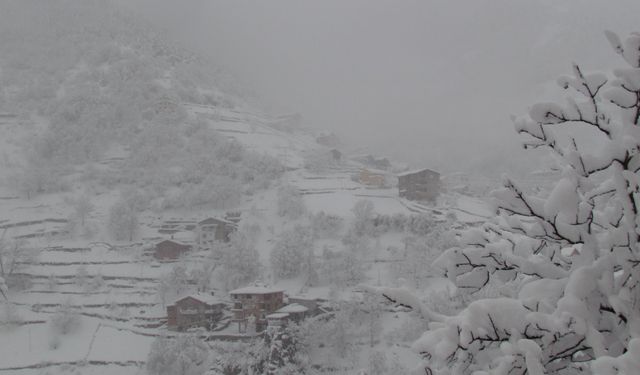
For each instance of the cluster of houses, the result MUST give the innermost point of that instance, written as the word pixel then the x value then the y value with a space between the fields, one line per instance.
pixel 208 232
pixel 254 308
pixel 415 185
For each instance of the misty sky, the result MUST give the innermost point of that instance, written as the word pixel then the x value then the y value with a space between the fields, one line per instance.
pixel 430 82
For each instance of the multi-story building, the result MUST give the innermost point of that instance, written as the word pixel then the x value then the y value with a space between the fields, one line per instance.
pixel 254 303
pixel 196 310
pixel 210 230
pixel 420 185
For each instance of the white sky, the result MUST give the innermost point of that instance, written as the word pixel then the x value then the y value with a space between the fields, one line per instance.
pixel 432 82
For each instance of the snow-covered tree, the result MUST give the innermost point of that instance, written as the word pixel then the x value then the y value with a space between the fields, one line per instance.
pixel 14 255
pixel 239 358
pixel 364 213
pixel 240 261
pixel 82 207
pixel 123 221
pixel 173 284
pixel 573 255
pixel 341 268
pixel 283 347
pixel 4 290
pixel 370 316
pixel 325 225
pixel 290 252
pixel 290 203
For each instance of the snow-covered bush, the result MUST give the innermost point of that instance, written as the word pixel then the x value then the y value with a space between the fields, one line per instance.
pixel 341 269
pixel 364 214
pixel 9 314
pixel 14 256
pixel 326 225
pixel 413 263
pixel 573 254
pixel 320 161
pixel 356 243
pixel 290 203
pixel 239 358
pixel 186 354
pixel 283 355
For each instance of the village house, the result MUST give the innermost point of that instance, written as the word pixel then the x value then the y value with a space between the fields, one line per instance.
pixel 255 303
pixel 169 250
pixel 372 178
pixel 211 230
pixel 196 310
pixel 419 185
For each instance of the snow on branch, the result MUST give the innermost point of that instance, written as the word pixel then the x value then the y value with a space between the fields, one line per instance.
pixel 573 256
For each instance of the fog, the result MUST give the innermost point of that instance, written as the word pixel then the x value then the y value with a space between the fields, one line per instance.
pixel 429 82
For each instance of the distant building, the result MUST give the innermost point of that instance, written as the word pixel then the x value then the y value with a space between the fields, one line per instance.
pixel 196 310
pixel 255 301
pixel 210 230
pixel 169 250
pixel 419 185
pixel 371 178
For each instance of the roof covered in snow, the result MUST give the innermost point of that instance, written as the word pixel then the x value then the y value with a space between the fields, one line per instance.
pixel 213 220
pixel 416 171
pixel 202 297
pixel 277 315
pixel 171 242
pixel 293 308
pixel 256 289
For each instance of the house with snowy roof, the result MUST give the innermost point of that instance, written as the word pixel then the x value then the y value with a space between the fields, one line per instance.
pixel 211 230
pixel 419 185
pixel 169 250
pixel 254 303
pixel 293 312
pixel 372 177
pixel 195 310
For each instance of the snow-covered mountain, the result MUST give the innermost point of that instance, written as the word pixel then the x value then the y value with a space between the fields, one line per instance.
pixel 114 140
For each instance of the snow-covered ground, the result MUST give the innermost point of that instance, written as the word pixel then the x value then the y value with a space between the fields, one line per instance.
pixel 118 300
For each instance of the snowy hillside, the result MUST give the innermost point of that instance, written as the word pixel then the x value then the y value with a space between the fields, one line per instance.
pixel 130 142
